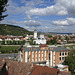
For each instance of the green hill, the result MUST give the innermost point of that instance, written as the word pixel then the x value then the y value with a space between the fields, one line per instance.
pixel 13 30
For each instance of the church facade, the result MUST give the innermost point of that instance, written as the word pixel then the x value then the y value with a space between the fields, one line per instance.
pixel 39 40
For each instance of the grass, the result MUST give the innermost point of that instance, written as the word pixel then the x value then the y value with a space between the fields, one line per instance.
pixel 8 49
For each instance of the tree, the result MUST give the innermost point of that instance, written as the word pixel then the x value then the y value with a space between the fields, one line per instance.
pixel 49 36
pixel 31 41
pixel 70 61
pixel 3 4
pixel 53 41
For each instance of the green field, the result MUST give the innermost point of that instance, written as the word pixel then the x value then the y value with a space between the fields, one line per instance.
pixel 8 49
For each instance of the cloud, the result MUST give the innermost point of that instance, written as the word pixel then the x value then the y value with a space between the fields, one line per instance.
pixel 68 5
pixel 66 22
pixel 11 22
pixel 61 7
pixel 32 23
pixel 32 3
pixel 47 11
pixel 14 9
pixel 58 29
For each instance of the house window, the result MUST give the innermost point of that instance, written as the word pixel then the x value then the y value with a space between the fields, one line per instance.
pixel 62 53
pixel 68 53
pixel 60 58
pixel 65 53
pixel 65 58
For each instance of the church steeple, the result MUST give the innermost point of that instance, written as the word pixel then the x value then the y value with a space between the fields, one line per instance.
pixel 35 34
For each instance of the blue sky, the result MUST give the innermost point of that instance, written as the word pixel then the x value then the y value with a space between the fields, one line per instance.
pixel 43 15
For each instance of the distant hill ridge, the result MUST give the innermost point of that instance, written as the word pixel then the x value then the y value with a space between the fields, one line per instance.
pixel 6 29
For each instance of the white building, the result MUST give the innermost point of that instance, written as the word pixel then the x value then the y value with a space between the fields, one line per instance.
pixel 27 36
pixel 35 34
pixel 62 67
pixel 39 40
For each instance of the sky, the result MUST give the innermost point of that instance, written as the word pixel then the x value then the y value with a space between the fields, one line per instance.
pixel 42 15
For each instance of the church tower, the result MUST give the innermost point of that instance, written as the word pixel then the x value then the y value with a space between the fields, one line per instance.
pixel 35 34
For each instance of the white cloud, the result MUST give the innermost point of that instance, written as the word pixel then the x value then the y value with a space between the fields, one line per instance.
pixel 32 3
pixel 58 29
pixel 32 23
pixel 11 22
pixel 14 9
pixel 68 5
pixel 71 21
pixel 66 22
pixel 47 11
pixel 62 7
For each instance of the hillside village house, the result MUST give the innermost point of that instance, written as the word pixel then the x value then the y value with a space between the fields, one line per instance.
pixel 44 55
pixel 11 38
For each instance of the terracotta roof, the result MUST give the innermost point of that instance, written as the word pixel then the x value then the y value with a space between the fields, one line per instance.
pixel 64 73
pixel 18 68
pixel 15 68
pixel 43 45
pixel 41 70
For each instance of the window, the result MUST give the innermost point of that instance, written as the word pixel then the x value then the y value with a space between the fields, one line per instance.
pixel 65 58
pixel 60 58
pixel 65 53
pixel 62 53
pixel 68 53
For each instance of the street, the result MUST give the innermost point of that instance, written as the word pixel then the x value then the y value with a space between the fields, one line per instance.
pixel 8 55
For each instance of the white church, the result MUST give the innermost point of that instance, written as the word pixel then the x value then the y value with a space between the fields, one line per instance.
pixel 39 40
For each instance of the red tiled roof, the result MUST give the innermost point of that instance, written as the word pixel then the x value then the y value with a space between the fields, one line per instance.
pixel 15 68
pixel 41 70
pixel 43 45
pixel 64 73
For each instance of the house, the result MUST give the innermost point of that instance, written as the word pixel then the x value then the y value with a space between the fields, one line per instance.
pixel 10 67
pixel 62 67
pixel 43 70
